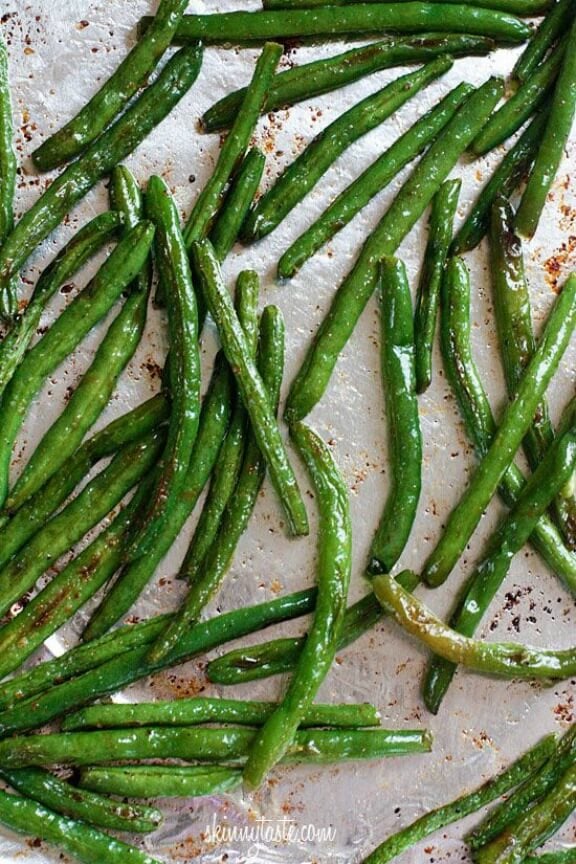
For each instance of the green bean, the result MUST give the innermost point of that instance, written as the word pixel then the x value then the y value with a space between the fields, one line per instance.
pixel 407 207
pixel 157 781
pixel 87 402
pixel 481 588
pixel 237 203
pixel 229 463
pixel 68 590
pixel 93 503
pixel 209 201
pixel 133 578
pixel 477 414
pixel 515 422
pixel 102 670
pixel 408 17
pixel 115 93
pixel 126 198
pixel 404 435
pixel 237 513
pixel 517 345
pixel 551 151
pixel 68 330
pixel 191 744
pixel 514 7
pixel 534 827
pixel 563 856
pixel 358 194
pixel 174 272
pixel 61 797
pixel 310 166
pixel 504 659
pixel 84 843
pixel 532 93
pixel 333 578
pixel 251 388
pixel 461 807
pixel 8 164
pixel 34 512
pixel 69 260
pixel 534 788
pixel 439 238
pixel 281 655
pixel 190 712
pixel 149 109
pixel 556 22
pixel 324 76
pixel 505 179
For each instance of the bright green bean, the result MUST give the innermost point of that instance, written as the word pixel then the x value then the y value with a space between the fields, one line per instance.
pixel 157 781
pixel 184 377
pixel 407 207
pixel 514 7
pixel 515 423
pixel 333 578
pixel 237 203
pixel 552 27
pixel 126 198
pixel 147 111
pixel 8 164
pixel 439 239
pixel 310 166
pixel 551 151
pixel 237 513
pixel 209 201
pixel 375 178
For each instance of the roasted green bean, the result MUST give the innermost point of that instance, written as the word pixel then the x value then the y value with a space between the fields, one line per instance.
pixel 158 781
pixel 310 166
pixel 237 203
pixel 8 163
pixel 556 22
pixel 149 109
pixel 514 7
pixel 115 93
pixel 407 207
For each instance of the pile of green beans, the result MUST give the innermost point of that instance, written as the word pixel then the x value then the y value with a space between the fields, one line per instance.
pixel 129 511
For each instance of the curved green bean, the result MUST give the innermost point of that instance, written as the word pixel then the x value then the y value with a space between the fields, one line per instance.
pixel 534 788
pixel 440 230
pixel 148 110
pixel 407 207
pixel 504 659
pixel 310 166
pixel 69 260
pixel 551 151
pixel 532 93
pixel 115 93
pixel 515 422
pixel 157 781
pixel 242 500
pixel 84 843
pixel 477 414
pixel 556 22
pixel 190 712
pixel 534 827
pixel 209 201
pixel 237 203
pixel 230 457
pixel 214 418
pixel 8 164
pixel 126 198
pixel 24 689
pixel 66 333
pixel 333 578
pixel 93 503
pixel 184 378
pixel 233 28
pixel 61 797
pixel 462 807
pixel 323 76
pixel 505 179
pixel 250 385
pixel 281 655
pixel 481 588
pixel 404 434
pixel 207 744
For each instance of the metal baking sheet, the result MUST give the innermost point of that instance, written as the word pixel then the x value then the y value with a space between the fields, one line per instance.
pixel 60 50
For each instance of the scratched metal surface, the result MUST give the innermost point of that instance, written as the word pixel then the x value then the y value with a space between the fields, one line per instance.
pixel 59 51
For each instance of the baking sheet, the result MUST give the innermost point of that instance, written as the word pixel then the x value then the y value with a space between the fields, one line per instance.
pixel 59 52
